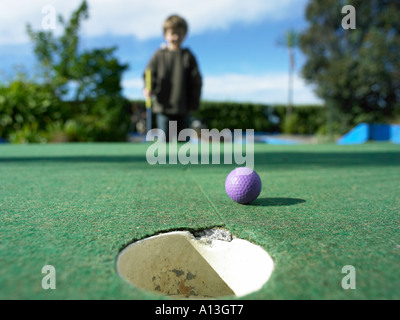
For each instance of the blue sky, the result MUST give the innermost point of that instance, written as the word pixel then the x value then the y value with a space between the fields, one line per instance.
pixel 235 41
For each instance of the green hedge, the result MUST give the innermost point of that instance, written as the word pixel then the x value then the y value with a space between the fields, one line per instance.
pixel 230 115
pixel 306 119
pixel 26 111
pixel 261 118
pixel 32 113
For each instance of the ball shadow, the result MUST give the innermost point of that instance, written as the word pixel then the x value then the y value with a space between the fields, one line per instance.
pixel 275 202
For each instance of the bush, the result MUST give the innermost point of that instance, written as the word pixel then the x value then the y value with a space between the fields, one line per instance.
pixel 261 118
pixel 25 111
pixel 230 115
pixel 32 113
pixel 304 119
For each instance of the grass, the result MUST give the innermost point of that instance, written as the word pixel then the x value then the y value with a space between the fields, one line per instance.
pixel 322 207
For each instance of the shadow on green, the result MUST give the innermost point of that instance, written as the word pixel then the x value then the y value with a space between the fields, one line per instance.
pixel 276 202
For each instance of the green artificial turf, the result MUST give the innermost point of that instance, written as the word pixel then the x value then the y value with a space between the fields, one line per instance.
pixel 322 207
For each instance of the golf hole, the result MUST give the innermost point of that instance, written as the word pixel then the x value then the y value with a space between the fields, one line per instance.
pixel 204 265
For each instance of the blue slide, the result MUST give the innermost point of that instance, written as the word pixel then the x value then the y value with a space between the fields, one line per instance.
pixel 359 135
pixel 371 132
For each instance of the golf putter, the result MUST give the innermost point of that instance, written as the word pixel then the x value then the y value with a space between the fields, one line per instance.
pixel 148 100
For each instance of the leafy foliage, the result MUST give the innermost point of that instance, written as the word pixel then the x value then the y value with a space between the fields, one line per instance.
pixel 262 118
pixel 76 97
pixel 357 71
pixel 306 119
pixel 26 109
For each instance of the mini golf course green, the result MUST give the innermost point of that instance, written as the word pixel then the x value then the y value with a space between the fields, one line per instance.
pixel 77 206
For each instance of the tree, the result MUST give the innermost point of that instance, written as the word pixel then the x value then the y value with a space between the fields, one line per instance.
pixel 91 78
pixel 290 41
pixel 27 110
pixel 356 71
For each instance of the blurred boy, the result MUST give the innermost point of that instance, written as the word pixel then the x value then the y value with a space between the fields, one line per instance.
pixel 175 76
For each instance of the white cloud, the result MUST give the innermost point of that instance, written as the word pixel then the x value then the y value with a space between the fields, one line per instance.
pixel 15 14
pixel 133 83
pixel 266 88
pixel 143 19
pixel 140 18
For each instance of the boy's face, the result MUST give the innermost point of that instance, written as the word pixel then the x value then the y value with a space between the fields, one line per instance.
pixel 174 37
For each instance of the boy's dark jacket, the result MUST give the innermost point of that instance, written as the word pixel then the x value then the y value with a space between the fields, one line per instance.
pixel 176 82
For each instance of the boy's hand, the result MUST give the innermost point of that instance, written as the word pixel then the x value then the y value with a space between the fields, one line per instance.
pixel 146 93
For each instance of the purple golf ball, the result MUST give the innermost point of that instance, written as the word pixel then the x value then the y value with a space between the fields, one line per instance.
pixel 243 185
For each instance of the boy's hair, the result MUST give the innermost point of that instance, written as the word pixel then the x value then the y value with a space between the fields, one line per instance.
pixel 175 22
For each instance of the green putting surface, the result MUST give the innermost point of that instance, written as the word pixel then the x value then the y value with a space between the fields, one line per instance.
pixel 322 207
